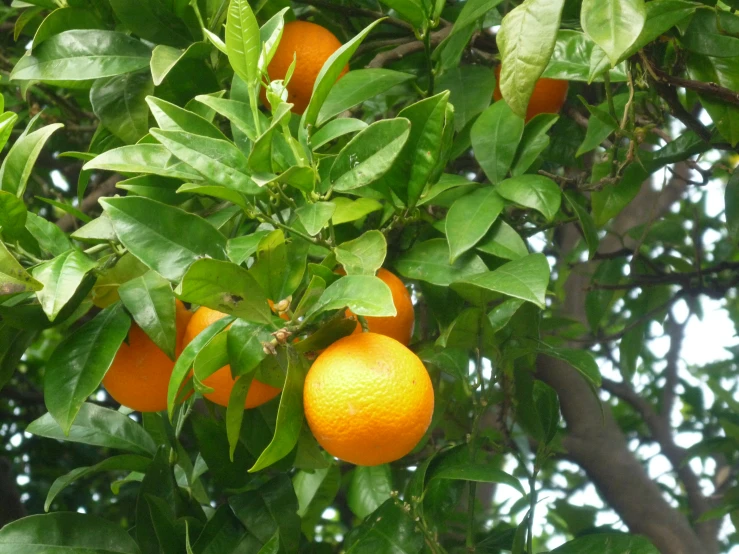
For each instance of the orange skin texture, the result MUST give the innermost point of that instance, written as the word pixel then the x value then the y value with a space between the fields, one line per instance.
pixel 368 399
pixel 221 381
pixel 312 46
pixel 139 375
pixel 400 326
pixel 548 97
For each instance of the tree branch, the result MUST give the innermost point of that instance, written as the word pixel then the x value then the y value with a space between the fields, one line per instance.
pixel 106 188
pixel 410 47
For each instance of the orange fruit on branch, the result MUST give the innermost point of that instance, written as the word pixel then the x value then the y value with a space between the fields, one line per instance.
pixel 312 45
pixel 221 381
pixel 368 399
pixel 139 375
pixel 548 97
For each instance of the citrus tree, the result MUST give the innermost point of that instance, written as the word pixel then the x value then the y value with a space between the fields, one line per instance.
pixel 401 276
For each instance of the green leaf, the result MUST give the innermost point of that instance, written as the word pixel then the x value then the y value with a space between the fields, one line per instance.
pixel 724 72
pixel 61 277
pixel 581 360
pixel 369 488
pixel 335 129
pixel 470 471
pixel 81 55
pixel 327 77
pixel 315 216
pixel 615 543
pixel 533 142
pixel 470 89
pixel 13 214
pixel 157 21
pixel 712 33
pixel 215 191
pixel 280 266
pixel 217 160
pixel 363 294
pixel 245 346
pixel 348 210
pixel 586 222
pixel 242 248
pixel 731 203
pixel 165 58
pixel 495 137
pixel 526 41
pixel 50 237
pixel 526 278
pixel 80 362
pixel 153 233
pixel 223 533
pixel 13 278
pixel 226 287
pixel 429 261
pixel 355 87
pixel 315 491
pixel 98 426
pixel 533 191
pixel 363 255
pixel 65 19
pixel 143 158
pixel 22 156
pixel 269 35
pixel 614 25
pixel 388 530
pixel 501 315
pixel 289 415
pixel 546 404
pixel 469 218
pixel 151 302
pixel 7 122
pixel 262 156
pixel 413 11
pixel 124 462
pixel 611 199
pixel 503 241
pixel 573 58
pixel 170 117
pixel 236 112
pixel 370 154
pixel 243 41
pixel 599 128
pixel 66 531
pixel 119 104
pixel 662 15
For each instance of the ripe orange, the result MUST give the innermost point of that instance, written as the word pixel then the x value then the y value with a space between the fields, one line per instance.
pixel 368 399
pixel 312 46
pixel 400 326
pixel 548 97
pixel 139 375
pixel 221 381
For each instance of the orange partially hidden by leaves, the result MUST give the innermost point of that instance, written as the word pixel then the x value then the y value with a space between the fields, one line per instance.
pixel 400 326
pixel 139 375
pixel 548 97
pixel 221 381
pixel 368 399
pixel 312 45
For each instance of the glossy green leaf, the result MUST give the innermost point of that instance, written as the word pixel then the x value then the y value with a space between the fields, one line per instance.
pixel 607 543
pixel 223 533
pixel 363 255
pixel 226 287
pixel 143 158
pixel 614 25
pixel 581 360
pixel 316 491
pixel 723 72
pixel 65 532
pixel 470 471
pixel 98 426
pixel 707 33
pixel 526 278
pixel 369 488
pixel 7 122
pixel 470 89
pixel 362 294
pixel 65 19
pixel 236 112
pixel 262 156
pixel 469 218
pixel 119 104
pixel 170 117
pixel 18 164
pixel 533 142
pixel 81 55
pixel 731 205
pixel 429 261
pixel 503 241
pixel 388 530
pixel 153 233
pixel 61 277
pixel 586 222
pixel 217 160
pixel 413 11
pixel 355 87
pixel 242 248
pixel 124 462
pixel 50 237
pixel 280 266
pixel 315 216
pixel 526 41
pixel 370 154
pixel 14 279
pixel 165 58
pixel 243 40
pixel 611 199
pixel 151 302
pixel 533 191
pixel 661 16
pixel 335 129
pixel 348 210
pixel 154 20
pixel 495 137
pixel 573 58
pixel 289 415
pixel 80 362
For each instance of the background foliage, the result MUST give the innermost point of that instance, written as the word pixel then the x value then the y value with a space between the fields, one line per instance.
pixel 540 255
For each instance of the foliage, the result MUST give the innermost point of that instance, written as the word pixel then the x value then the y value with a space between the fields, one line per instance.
pixel 140 166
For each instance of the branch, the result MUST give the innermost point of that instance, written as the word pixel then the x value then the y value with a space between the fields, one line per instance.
pixel 410 47
pixel 675 331
pixel 68 222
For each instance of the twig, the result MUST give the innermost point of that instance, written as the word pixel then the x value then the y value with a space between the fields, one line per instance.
pixel 410 47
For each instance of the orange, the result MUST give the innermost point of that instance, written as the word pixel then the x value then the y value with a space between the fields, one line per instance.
pixel 221 381
pixel 399 326
pixel 312 45
pixel 139 375
pixel 548 97
pixel 368 399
